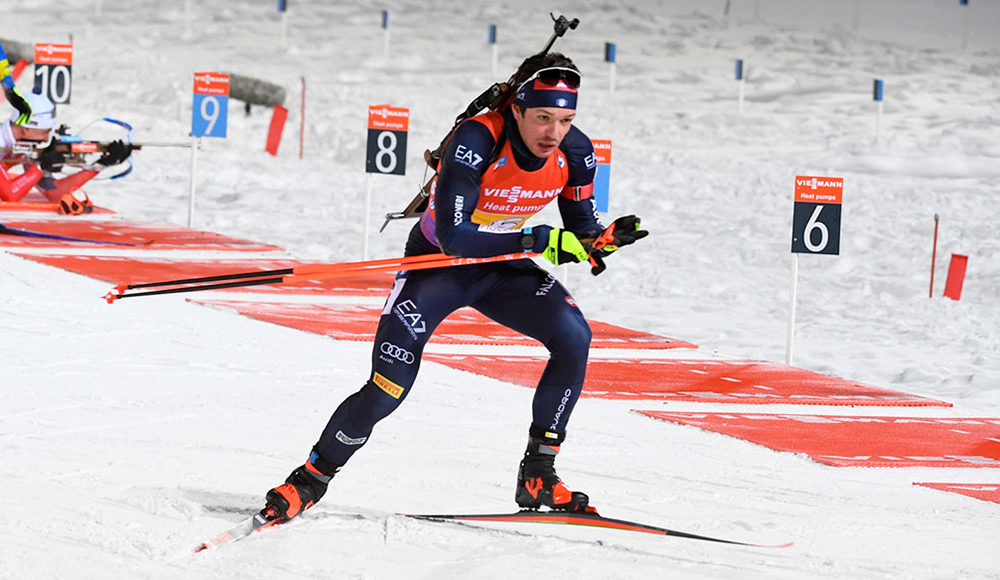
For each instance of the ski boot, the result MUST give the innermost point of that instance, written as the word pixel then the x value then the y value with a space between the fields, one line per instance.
pixel 537 482
pixel 301 490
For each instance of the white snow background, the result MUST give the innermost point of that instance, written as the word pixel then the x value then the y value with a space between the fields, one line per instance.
pixel 129 433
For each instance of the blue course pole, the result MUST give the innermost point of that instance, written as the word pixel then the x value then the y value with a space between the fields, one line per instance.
pixel 385 27
pixel 877 94
pixel 742 83
pixel 610 57
pixel 494 57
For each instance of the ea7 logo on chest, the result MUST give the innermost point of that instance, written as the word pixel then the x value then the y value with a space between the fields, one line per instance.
pixel 468 157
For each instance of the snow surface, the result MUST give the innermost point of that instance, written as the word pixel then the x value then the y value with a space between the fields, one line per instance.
pixel 129 433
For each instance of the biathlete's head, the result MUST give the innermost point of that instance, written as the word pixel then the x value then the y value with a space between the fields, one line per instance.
pixel 545 103
pixel 43 118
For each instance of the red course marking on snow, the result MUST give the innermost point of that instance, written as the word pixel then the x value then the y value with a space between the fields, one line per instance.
pixel 163 236
pixel 860 441
pixel 465 326
pixel 738 381
pixel 118 269
pixel 983 491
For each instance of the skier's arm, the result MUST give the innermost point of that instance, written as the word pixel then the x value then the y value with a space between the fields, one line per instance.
pixel 13 95
pixel 16 187
pixel 576 202
pixel 117 152
pixel 69 184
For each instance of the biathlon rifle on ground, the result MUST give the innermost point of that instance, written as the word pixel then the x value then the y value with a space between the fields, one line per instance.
pixel 496 98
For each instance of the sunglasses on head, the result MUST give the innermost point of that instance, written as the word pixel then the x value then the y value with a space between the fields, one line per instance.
pixel 551 77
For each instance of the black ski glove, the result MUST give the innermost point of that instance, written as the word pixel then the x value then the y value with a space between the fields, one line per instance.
pixel 622 232
pixel 51 160
pixel 114 153
pixel 17 101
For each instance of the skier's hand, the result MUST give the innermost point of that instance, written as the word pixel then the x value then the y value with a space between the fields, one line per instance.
pixel 622 232
pixel 16 100
pixel 116 152
pixel 51 160
pixel 558 246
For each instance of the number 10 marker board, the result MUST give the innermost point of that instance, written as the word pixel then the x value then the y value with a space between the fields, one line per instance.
pixel 54 71
pixel 209 115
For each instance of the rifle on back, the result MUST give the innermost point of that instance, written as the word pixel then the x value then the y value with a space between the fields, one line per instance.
pixel 496 98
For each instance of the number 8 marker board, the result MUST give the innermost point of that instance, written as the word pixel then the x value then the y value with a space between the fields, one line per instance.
pixel 385 153
pixel 387 128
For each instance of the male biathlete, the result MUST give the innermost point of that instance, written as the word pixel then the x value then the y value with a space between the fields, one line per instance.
pixel 496 171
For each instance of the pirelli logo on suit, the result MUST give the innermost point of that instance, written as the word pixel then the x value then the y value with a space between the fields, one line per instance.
pixel 392 389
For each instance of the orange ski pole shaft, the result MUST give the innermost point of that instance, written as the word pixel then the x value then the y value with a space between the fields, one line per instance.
pixel 344 270
pixel 280 272
pixel 447 261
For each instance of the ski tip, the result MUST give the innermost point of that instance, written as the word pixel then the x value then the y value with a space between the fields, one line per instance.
pixel 788 545
pixel 200 547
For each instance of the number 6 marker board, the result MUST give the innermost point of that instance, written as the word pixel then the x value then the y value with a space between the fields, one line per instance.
pixel 209 113
pixel 54 71
pixel 816 221
pixel 815 230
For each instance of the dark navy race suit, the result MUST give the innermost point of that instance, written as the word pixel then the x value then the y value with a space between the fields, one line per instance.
pixel 477 209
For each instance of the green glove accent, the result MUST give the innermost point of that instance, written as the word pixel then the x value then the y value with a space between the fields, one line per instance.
pixel 564 247
pixel 18 102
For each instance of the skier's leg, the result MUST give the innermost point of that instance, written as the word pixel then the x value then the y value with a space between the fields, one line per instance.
pixel 533 302
pixel 414 308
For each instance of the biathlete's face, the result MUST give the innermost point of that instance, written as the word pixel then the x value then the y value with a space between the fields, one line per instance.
pixel 542 128
pixel 26 134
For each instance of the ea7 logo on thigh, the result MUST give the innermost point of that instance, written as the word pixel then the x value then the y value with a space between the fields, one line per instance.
pixel 407 313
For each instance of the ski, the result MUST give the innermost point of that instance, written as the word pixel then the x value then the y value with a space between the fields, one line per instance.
pixel 255 523
pixel 590 519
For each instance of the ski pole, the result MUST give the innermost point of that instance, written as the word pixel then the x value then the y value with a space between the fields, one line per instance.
pixel 302 271
pixel 4 229
pixel 328 271
pixel 421 265
pixel 315 268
